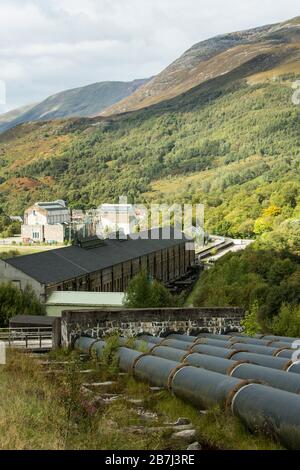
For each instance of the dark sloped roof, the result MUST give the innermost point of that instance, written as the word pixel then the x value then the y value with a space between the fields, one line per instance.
pixel 50 267
pixel 31 320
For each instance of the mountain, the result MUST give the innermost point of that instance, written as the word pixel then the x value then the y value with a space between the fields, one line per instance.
pixel 83 101
pixel 231 142
pixel 209 59
pixel 6 118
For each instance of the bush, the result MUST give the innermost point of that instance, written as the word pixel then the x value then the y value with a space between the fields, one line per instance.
pixel 250 322
pixel 14 301
pixel 287 323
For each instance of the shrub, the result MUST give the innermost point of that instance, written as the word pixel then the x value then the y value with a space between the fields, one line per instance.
pixel 14 301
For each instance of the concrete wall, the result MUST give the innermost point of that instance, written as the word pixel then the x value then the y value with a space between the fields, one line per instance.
pixel 10 274
pixel 159 322
pixel 27 232
pixel 54 233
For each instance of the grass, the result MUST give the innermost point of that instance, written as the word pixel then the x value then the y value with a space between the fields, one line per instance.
pixel 26 250
pixel 50 411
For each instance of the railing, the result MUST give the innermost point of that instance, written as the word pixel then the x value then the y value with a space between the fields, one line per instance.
pixel 27 338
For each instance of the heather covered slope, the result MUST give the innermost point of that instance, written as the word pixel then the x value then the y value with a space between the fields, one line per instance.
pixel 212 58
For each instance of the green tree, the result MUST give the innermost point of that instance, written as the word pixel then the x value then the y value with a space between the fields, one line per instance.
pixel 143 292
pixel 14 301
pixel 287 323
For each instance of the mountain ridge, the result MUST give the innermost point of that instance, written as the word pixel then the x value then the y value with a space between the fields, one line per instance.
pixel 76 102
pixel 207 59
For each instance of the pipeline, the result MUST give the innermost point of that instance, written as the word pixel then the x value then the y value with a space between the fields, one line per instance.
pixel 234 368
pixel 255 404
pixel 239 339
pixel 278 363
pixel 209 388
pixel 274 358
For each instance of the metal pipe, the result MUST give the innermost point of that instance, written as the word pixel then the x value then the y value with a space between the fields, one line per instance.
pixel 150 339
pixel 256 405
pixel 239 369
pixel 266 350
pixel 213 351
pixel 285 339
pixel 186 338
pixel 288 353
pixel 214 336
pixel 258 342
pixel 278 363
pixel 141 345
pixel 169 353
pixel 177 344
pixel 294 367
pixel 205 388
pixel 155 370
pixel 275 411
pixel 275 378
pixel 84 344
pixel 215 342
pixel 215 364
pixel 280 344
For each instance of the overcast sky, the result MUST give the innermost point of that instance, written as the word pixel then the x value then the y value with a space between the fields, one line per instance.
pixel 50 45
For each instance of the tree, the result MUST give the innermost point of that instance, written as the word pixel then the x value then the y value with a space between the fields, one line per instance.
pixel 143 292
pixel 14 301
pixel 250 322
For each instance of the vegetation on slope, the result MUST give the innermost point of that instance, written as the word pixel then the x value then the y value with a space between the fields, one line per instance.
pixel 264 281
pixel 227 144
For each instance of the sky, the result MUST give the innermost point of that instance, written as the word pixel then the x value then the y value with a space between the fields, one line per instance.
pixel 47 46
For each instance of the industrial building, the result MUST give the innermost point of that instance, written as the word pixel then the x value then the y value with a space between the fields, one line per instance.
pixel 57 302
pixel 45 222
pixel 98 265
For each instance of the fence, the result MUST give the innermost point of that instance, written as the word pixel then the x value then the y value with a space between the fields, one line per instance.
pixel 33 338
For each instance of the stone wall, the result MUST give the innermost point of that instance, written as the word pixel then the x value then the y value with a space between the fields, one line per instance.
pixel 158 322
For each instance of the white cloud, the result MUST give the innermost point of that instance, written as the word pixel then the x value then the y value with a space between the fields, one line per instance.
pixel 51 45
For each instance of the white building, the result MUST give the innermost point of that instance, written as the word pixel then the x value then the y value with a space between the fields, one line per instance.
pixel 45 222
pixel 117 218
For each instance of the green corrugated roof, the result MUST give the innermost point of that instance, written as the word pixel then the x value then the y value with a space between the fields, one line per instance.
pixel 111 299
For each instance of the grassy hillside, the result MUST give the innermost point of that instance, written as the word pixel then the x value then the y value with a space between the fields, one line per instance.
pixel 231 143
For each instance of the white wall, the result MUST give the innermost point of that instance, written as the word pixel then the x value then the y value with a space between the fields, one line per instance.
pixel 10 274
pixel 37 219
